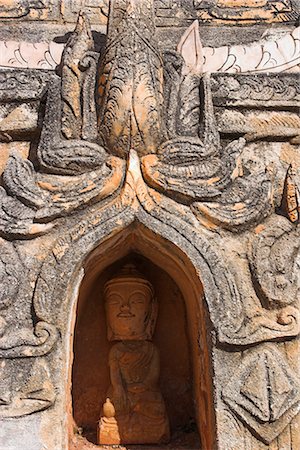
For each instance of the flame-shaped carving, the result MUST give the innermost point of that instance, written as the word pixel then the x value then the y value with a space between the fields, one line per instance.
pixel 130 89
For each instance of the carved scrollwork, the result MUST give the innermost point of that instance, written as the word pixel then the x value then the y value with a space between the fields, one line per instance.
pixel 17 219
pixel 26 343
pixel 188 159
pixel 250 90
pixel 20 180
pixel 264 392
pixel 159 107
pixel 201 173
pixel 40 197
pixel 19 338
pixel 273 258
pixel 247 201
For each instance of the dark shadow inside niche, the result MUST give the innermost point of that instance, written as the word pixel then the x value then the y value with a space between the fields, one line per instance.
pixel 90 375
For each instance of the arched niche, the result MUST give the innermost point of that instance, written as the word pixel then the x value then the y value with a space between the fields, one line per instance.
pixel 182 332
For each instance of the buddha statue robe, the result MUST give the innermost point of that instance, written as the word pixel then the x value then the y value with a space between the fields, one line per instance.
pixel 140 409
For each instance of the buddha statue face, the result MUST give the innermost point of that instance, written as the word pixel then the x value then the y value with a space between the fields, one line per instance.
pixel 130 306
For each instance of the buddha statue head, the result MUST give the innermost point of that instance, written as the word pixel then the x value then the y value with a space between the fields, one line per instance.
pixel 131 307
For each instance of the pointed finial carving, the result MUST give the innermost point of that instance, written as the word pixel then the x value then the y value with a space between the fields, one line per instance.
pixel 290 203
pixel 73 77
pixel 130 89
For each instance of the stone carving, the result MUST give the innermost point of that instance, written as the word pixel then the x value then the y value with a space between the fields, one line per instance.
pixel 274 262
pixel 191 150
pixel 250 90
pixel 290 203
pixel 264 392
pixel 76 92
pixel 171 12
pixel 29 10
pixel 260 125
pixel 30 392
pixel 17 9
pixel 190 165
pixel 247 321
pixel 18 338
pixel 130 90
pixel 246 11
pixel 131 311
pixel 22 85
pixel 27 342
pixel 149 163
pixel 66 148
pixel 272 55
pixel 247 201
pixel 200 163
pixel 179 13
pixel 9 276
pixel 97 10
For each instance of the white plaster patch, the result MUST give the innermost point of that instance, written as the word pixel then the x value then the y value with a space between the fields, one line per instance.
pixel 20 434
pixel 274 55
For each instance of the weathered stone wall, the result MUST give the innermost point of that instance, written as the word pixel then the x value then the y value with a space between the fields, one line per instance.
pixel 129 146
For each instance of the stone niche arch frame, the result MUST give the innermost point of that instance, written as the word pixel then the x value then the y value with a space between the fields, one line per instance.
pixel 57 288
pixel 138 239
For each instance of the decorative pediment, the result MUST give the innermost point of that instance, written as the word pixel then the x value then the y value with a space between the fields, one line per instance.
pixel 147 102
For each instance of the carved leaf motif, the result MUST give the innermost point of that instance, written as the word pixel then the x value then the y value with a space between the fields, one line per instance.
pixel 181 97
pixel 264 392
pixel 188 111
pixel 67 194
pixel 53 196
pixel 193 169
pixel 62 156
pixel 172 65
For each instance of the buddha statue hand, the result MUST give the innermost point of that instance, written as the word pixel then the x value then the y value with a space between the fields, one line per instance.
pixel 120 400
pixel 137 388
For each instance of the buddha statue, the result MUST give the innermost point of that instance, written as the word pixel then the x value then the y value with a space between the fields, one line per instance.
pixel 139 410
